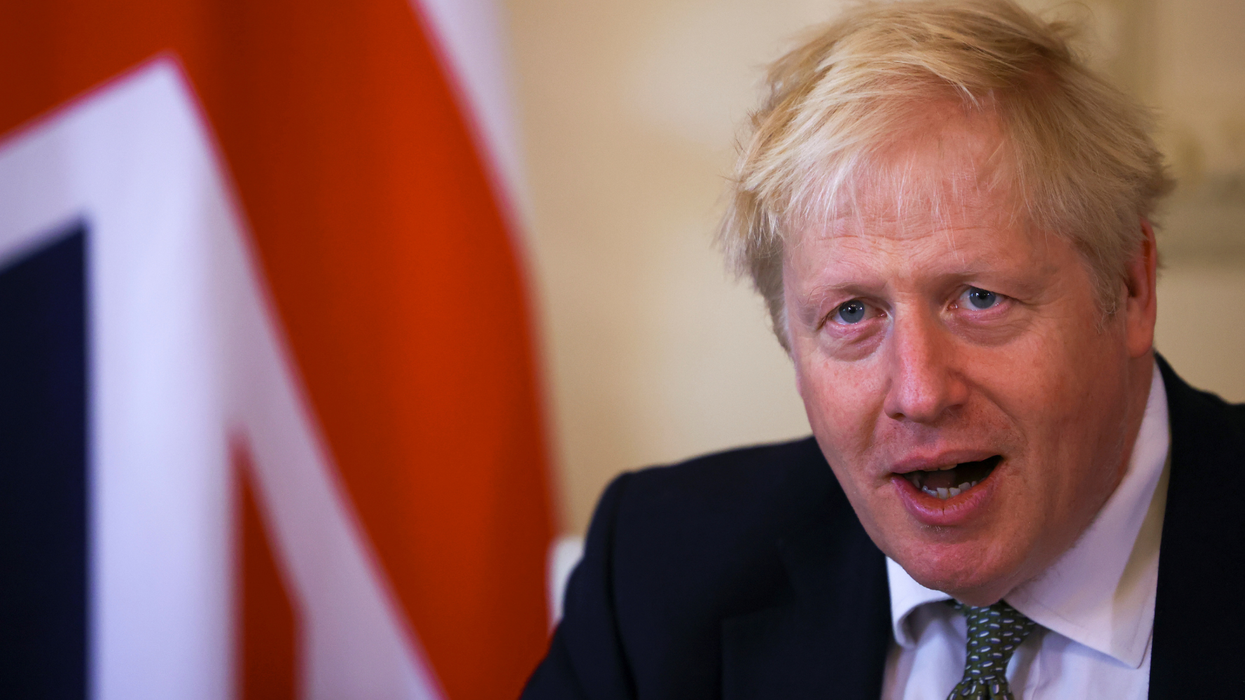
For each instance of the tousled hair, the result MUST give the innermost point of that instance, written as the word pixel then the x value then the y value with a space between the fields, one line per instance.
pixel 1079 158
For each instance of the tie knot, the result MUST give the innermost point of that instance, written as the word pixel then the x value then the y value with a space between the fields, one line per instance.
pixel 994 632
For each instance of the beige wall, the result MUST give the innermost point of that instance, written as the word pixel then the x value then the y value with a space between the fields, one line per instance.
pixel 628 111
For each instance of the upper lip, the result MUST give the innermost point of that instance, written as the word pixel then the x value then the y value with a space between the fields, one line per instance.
pixel 939 460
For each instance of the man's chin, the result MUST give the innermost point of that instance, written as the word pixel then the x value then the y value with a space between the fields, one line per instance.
pixel 961 575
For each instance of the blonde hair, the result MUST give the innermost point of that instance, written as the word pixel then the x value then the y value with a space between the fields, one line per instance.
pixel 1080 158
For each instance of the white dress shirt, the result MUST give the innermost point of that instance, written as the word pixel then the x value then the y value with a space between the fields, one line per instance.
pixel 1094 605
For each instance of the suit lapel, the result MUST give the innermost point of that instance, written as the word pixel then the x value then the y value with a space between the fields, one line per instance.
pixel 1197 645
pixel 827 635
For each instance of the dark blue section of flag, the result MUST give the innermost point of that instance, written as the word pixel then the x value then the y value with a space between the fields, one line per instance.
pixel 43 471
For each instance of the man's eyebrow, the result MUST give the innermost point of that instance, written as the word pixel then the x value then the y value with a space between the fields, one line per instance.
pixel 820 293
pixel 819 296
pixel 1025 278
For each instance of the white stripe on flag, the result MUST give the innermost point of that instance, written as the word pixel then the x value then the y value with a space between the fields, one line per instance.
pixel 473 43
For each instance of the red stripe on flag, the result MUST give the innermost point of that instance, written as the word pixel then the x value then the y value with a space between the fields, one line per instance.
pixel 267 635
pixel 392 273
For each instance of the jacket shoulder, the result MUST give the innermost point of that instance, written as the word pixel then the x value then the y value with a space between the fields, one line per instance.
pixel 714 521
pixel 736 491
pixel 1202 552
pixel 672 552
pixel 698 542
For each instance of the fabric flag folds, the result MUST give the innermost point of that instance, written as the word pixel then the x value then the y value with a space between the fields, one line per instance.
pixel 269 412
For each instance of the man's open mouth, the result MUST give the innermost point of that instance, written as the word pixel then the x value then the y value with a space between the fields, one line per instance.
pixel 945 483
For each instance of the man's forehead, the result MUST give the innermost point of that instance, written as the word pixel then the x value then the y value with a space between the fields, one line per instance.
pixel 958 167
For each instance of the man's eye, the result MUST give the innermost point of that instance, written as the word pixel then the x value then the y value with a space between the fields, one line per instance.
pixel 851 311
pixel 979 298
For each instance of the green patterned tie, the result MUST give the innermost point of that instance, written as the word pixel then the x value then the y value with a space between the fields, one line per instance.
pixel 994 632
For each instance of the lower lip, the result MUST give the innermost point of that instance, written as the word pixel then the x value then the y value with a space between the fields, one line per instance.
pixel 956 510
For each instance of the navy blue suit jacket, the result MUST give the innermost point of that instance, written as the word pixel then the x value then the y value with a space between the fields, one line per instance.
pixel 747 575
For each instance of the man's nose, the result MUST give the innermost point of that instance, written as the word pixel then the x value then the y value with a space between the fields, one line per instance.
pixel 925 380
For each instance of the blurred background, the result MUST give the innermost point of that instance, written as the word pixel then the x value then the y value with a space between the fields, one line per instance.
pixel 629 114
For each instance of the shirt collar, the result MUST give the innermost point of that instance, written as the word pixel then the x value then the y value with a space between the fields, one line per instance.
pixel 906 596
pixel 1100 593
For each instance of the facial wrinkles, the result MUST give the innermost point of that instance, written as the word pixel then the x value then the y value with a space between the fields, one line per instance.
pixel 895 260
pixel 869 436
pixel 879 440
pixel 919 230
pixel 886 244
pixel 970 416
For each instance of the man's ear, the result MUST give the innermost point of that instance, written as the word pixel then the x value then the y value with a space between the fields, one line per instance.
pixel 1140 302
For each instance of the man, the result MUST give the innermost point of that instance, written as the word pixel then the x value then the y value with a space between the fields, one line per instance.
pixel 948 217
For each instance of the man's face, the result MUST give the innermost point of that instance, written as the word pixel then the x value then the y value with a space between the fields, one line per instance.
pixel 957 371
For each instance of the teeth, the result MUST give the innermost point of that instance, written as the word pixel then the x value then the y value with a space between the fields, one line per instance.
pixel 944 494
